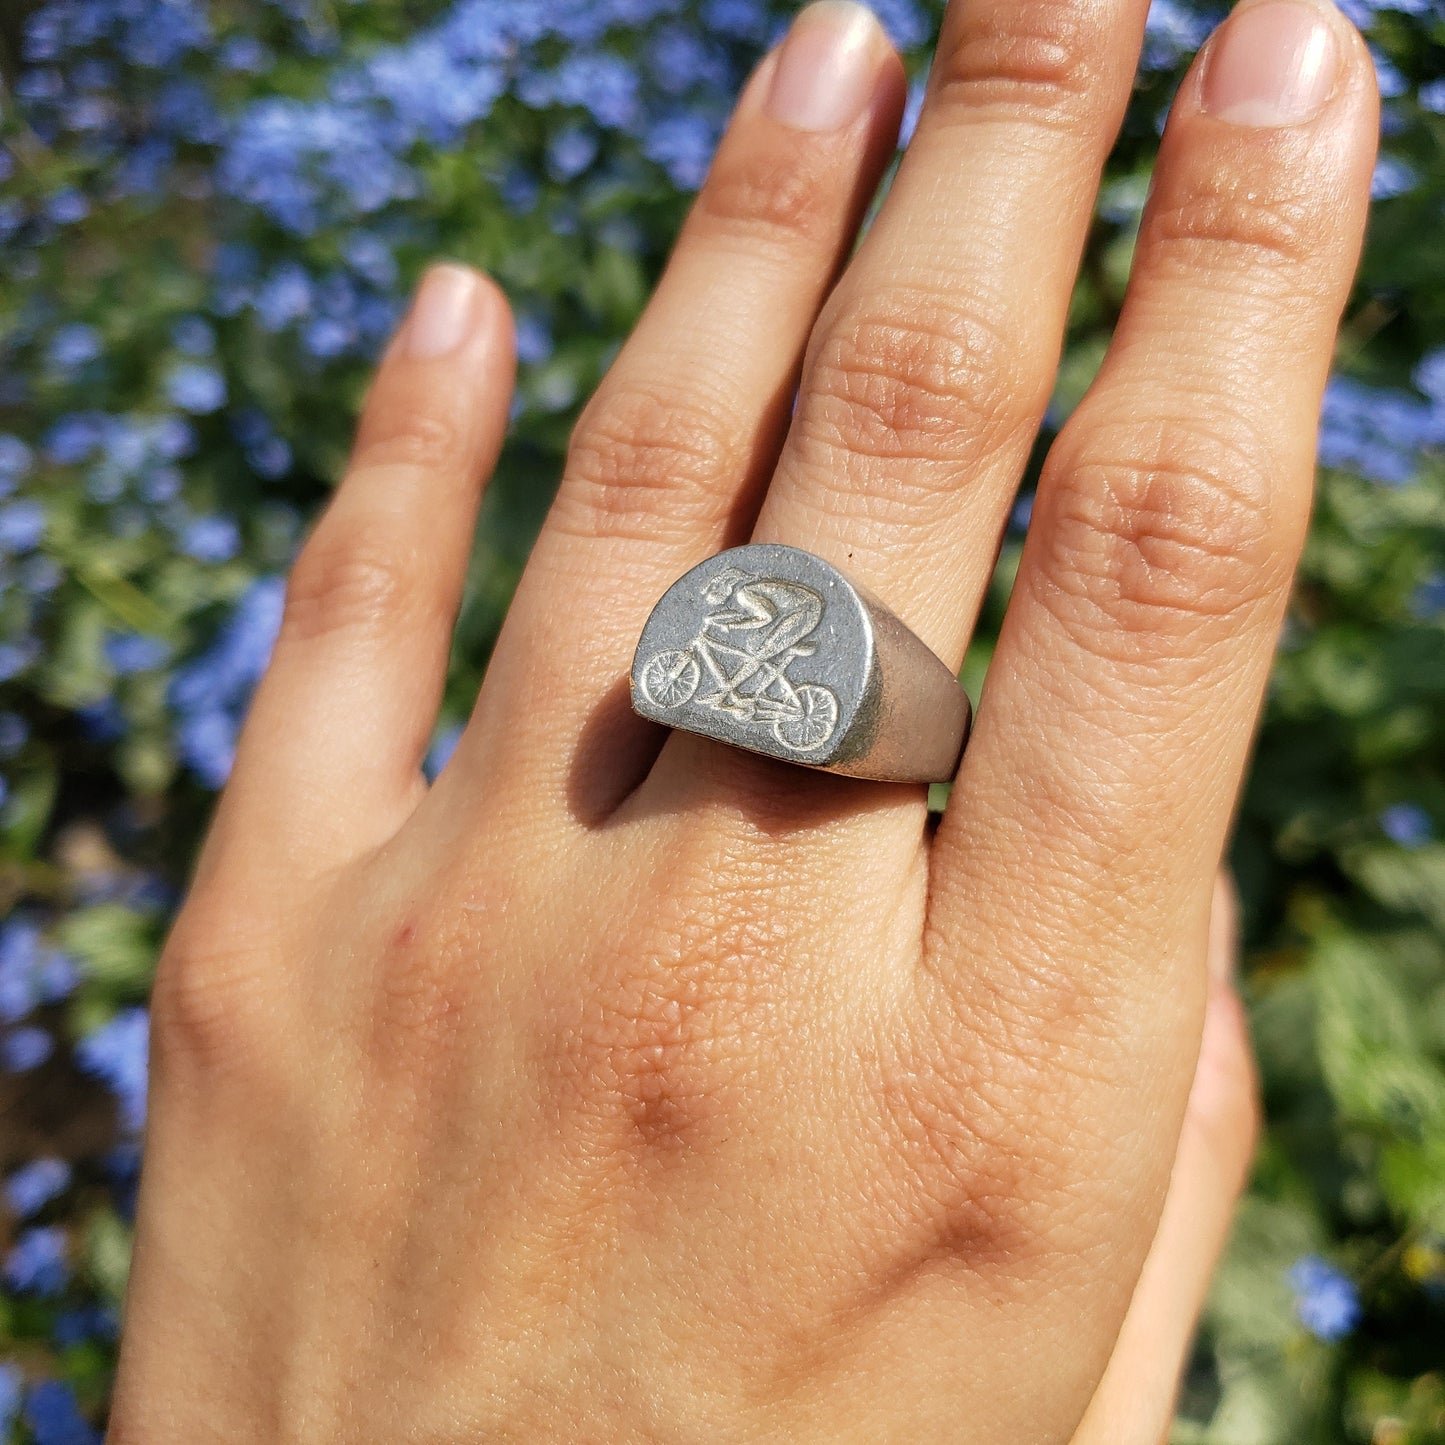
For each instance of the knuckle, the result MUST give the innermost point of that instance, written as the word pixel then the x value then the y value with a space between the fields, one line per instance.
pixel 1219 217
pixel 355 573
pixel 639 1062
pixel 1160 529
pixel 779 197
pixel 988 1178
pixel 908 377
pixel 651 1053
pixel 1042 58
pixel 645 1049
pixel 648 461
pixel 210 1012
pixel 428 442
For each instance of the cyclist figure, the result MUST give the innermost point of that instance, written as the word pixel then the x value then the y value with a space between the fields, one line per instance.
pixel 768 624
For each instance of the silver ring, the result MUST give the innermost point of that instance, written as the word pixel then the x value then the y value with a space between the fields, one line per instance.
pixel 772 649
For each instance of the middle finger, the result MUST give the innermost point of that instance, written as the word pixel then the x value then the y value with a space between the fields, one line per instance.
pixel 930 369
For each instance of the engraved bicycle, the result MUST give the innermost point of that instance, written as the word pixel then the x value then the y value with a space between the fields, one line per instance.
pixel 746 648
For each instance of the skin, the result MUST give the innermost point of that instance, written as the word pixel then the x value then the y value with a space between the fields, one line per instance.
pixel 624 1087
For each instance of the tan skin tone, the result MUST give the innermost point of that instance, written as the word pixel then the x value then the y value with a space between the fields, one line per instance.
pixel 623 1087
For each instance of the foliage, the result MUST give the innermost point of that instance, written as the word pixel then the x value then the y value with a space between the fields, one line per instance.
pixel 210 213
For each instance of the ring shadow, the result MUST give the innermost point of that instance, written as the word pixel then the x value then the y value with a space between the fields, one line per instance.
pixel 618 753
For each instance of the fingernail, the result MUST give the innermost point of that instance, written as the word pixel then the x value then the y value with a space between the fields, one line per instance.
pixel 827 67
pixel 443 314
pixel 1273 63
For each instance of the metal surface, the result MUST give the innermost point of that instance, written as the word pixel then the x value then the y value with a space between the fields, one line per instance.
pixel 772 649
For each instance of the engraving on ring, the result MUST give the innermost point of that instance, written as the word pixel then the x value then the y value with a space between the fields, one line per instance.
pixel 742 651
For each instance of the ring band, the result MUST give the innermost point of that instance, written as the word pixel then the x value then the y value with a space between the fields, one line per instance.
pixel 769 648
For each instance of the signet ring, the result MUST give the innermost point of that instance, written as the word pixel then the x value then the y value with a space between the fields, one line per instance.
pixel 769 648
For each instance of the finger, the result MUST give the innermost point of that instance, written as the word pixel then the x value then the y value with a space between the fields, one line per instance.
pixel 1135 1401
pixel 928 374
pixel 666 461
pixel 1118 709
pixel 328 763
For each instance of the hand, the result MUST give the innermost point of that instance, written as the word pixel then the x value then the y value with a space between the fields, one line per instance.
pixel 623 1087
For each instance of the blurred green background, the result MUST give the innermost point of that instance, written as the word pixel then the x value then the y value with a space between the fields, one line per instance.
pixel 210 216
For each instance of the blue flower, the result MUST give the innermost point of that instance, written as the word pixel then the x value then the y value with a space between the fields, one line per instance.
pixel 19 951
pixel 32 1186
pixel 15 657
pixel 146 167
pixel 1173 31
pixel 1393 177
pixel 1407 824
pixel 14 733
pixel 265 452
pixel 1387 76
pixel 161 485
pixel 53 1415
pixel 196 387
pixel 206 740
pixel 1428 603
pixel 1429 377
pixel 38 576
pixel 22 526
pixel 66 207
pixel 681 59
pixel 269 458
pixel 371 258
pixel 85 1322
pixel 172 437
pixel 1326 1300
pixel 534 339
pixel 244 53
pixel 102 721
pixel 444 744
pixel 327 336
pixel 520 191
pixel 72 346
pixel 24 1049
pixel 12 1383
pixel 1379 433
pixel 129 652
pixel 1432 96
pixel 603 84
pixel 184 109
pixel 74 437
pixel 38 1262
pixel 285 296
pixel 15 458
pixel 906 21
pixel 210 694
pixel 194 336
pixel 432 90
pixel 570 152
pixel 743 19
pixel 56 976
pixel 211 539
pixel 683 144
pixel 118 1054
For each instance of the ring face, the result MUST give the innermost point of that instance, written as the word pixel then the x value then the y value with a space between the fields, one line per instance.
pixel 764 647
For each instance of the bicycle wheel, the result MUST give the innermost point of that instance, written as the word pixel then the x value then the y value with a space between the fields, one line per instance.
pixel 812 725
pixel 670 678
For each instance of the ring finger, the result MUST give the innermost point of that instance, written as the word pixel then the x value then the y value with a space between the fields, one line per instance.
pixel 667 460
